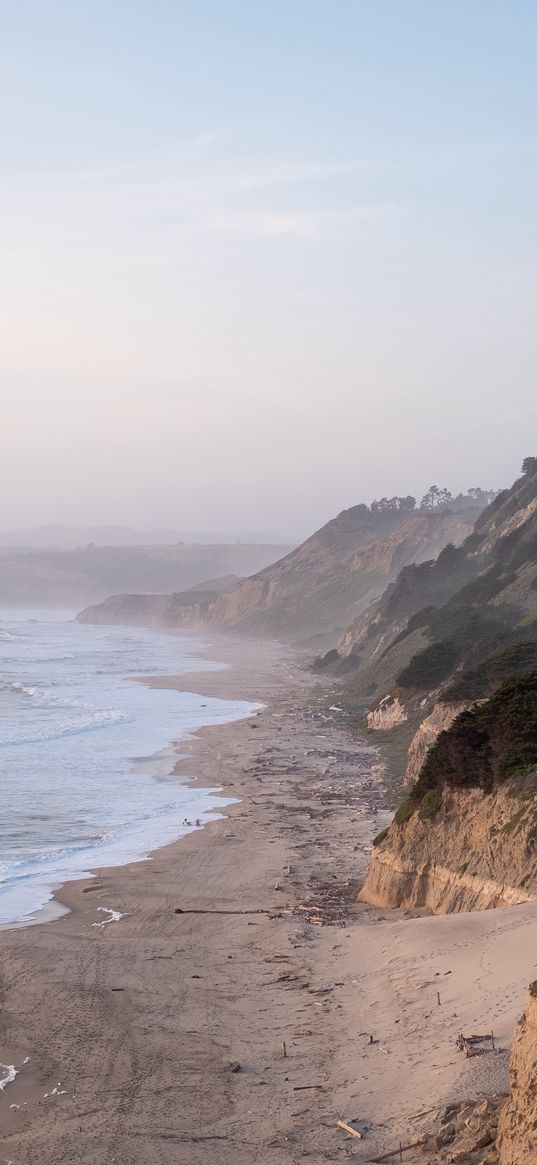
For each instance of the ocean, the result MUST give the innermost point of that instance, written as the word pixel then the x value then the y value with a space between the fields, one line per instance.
pixel 85 760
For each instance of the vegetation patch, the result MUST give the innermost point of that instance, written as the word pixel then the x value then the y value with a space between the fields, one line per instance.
pixel 487 744
pixel 380 837
pixel 516 820
pixel 474 683
pixel 429 667
pixel 405 811
pixel 431 804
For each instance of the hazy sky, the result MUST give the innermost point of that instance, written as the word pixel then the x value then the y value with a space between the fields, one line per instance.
pixel 262 260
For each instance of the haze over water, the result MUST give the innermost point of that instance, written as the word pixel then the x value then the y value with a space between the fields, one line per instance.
pixel 85 782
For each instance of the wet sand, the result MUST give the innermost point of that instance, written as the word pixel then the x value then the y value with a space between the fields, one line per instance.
pixel 158 1038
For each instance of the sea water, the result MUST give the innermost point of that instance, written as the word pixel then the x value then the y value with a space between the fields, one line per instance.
pixel 86 775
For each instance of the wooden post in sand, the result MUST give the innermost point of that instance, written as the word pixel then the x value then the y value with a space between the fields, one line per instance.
pixel 438 997
pixel 284 1049
pixel 492 1040
pixel 400 1150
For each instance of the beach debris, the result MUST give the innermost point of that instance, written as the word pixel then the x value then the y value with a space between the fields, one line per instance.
pixel 329 904
pixel 57 1091
pixel 349 1129
pixel 115 916
pixel 235 1066
pixel 476 1045
pixel 284 1049
pixel 305 1087
pixel 12 1072
pixel 398 1151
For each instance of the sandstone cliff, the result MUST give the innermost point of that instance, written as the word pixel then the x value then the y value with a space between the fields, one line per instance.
pixel 188 609
pixel 473 594
pixel 477 851
pixel 439 720
pixel 517 1132
pixel 466 837
pixel 313 592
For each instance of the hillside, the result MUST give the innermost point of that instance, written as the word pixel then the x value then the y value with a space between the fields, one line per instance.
pixel 87 575
pixel 448 631
pixel 313 592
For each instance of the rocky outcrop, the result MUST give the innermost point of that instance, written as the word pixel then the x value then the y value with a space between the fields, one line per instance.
pixel 131 610
pixel 188 609
pixel 439 720
pixel 473 852
pixel 388 714
pixel 517 1133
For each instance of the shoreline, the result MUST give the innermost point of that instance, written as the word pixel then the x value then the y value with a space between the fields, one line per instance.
pixel 162 765
pixel 134 1029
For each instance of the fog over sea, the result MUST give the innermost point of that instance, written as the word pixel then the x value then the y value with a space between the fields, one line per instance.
pixel 85 762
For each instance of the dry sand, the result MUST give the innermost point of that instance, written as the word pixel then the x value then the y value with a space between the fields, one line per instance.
pixel 133 1030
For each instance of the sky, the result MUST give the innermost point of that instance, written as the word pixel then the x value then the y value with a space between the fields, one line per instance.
pixel 263 260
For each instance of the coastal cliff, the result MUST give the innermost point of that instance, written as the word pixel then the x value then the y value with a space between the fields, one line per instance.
pixel 311 594
pixel 466 836
pixel 517 1130
pixel 439 720
pixel 476 852
pixel 188 609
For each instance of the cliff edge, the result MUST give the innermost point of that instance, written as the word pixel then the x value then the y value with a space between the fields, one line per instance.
pixel 466 836
pixel 476 852
pixel 517 1131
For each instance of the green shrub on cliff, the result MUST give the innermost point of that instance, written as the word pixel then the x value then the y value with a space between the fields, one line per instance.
pixel 487 744
pixel 404 812
pixel 480 681
pixel 431 804
pixel 429 667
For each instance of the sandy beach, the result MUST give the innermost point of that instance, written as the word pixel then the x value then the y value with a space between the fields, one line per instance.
pixel 158 1039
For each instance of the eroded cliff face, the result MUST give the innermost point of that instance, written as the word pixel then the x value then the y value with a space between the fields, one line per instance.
pixel 517 1131
pixel 132 610
pixel 439 720
pixel 417 540
pixel 311 594
pixel 190 609
pixel 387 715
pixel 334 576
pixel 476 852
